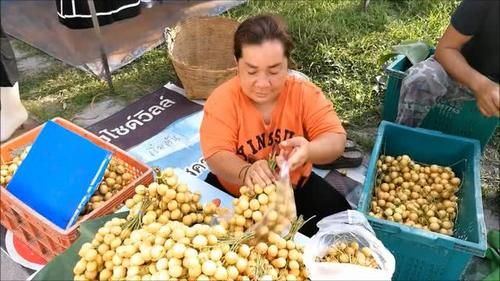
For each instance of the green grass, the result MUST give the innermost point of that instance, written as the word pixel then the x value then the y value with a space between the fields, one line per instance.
pixel 63 91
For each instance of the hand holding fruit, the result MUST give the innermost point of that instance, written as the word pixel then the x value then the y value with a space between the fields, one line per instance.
pixel 259 173
pixel 295 151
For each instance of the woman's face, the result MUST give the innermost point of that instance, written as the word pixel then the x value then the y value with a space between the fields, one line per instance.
pixel 263 70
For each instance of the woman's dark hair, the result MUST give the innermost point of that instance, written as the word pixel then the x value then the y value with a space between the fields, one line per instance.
pixel 258 29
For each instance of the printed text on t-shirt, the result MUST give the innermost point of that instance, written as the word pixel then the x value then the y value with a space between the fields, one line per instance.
pixel 261 141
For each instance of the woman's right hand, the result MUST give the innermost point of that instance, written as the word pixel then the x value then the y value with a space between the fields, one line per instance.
pixel 488 98
pixel 259 173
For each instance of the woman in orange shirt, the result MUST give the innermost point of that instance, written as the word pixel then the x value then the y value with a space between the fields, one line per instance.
pixel 263 109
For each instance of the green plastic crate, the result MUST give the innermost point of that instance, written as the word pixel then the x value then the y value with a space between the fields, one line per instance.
pixel 461 119
pixel 396 73
pixel 420 254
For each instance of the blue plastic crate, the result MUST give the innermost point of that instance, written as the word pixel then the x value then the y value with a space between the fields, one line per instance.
pixel 461 119
pixel 420 254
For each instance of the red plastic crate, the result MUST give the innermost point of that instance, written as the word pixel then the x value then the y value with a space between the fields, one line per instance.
pixel 42 236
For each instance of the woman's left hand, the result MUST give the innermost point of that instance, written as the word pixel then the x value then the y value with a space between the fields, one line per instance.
pixel 295 151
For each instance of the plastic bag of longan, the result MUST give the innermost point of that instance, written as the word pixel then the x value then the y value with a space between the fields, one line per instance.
pixel 281 211
pixel 346 248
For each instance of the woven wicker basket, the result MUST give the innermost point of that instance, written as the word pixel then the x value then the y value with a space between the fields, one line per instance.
pixel 201 50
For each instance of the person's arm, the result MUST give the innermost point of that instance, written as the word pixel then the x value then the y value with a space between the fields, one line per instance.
pixel 321 150
pixel 449 56
pixel 326 148
pixel 227 165
pixel 325 135
pixel 233 169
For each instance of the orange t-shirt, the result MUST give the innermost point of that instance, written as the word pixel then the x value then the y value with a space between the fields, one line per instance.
pixel 232 123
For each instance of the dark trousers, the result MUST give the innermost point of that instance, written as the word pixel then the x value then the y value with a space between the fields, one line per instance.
pixel 315 198
pixel 8 66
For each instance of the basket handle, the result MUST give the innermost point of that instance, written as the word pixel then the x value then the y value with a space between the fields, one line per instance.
pixel 168 33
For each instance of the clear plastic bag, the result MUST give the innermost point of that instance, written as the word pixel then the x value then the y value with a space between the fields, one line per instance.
pixel 347 226
pixel 281 212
